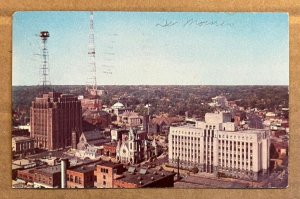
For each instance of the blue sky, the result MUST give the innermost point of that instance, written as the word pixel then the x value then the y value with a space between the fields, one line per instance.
pixel 144 48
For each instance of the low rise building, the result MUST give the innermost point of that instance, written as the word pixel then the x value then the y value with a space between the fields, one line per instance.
pixel 96 118
pixel 90 144
pixel 219 101
pixel 22 146
pixel 116 134
pixel 109 149
pixel 26 175
pixel 48 177
pixel 91 138
pixel 81 177
pixel 144 178
pixel 130 118
pixel 162 123
pixel 118 108
pixel 106 172
pixel 90 104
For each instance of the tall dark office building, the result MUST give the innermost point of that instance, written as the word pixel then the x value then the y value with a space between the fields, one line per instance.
pixel 53 117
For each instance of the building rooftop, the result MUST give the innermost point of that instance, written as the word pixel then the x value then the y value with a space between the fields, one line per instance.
pixel 143 176
pixel 84 168
pixel 244 131
pixel 109 164
pixel 118 105
pixel 190 126
pixel 21 138
pixel 93 135
pixel 23 162
pixel 51 169
pixel 249 131
pixel 111 144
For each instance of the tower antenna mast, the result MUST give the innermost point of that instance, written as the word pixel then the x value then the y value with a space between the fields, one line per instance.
pixel 44 69
pixel 92 84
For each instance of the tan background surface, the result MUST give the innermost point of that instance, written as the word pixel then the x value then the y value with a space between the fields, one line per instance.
pixel 8 7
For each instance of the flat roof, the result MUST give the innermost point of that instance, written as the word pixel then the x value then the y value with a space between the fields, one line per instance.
pixel 84 168
pixel 144 176
pixel 245 131
pixel 190 126
pixel 21 138
pixel 22 162
pixel 51 169
pixel 110 144
pixel 109 164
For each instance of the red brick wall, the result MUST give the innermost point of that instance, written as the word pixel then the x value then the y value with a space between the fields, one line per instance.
pixel 121 184
pixel 79 179
pixel 109 149
pixel 25 175
pixel 104 176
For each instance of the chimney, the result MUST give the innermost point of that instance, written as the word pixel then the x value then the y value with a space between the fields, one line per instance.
pixel 64 166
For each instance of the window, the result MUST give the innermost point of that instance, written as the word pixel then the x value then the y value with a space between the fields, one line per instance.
pixel 104 182
pixel 104 177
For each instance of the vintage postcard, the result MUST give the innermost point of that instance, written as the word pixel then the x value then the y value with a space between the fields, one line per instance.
pixel 150 100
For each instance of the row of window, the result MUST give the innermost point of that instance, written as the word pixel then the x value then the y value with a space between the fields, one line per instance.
pixel 234 149
pixel 235 137
pixel 78 180
pixel 103 170
pixel 210 135
pixel 234 142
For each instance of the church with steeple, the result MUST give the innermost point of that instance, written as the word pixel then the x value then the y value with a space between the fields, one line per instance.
pixel 134 148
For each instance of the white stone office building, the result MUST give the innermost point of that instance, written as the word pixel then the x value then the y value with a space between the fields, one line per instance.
pixel 216 146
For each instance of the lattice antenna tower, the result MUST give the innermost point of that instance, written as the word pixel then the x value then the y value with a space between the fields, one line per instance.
pixel 44 69
pixel 92 80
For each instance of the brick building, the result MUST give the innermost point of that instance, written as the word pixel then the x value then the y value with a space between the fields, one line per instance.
pixel 22 145
pixel 109 149
pixel 26 175
pixel 52 119
pixel 144 178
pixel 96 118
pixel 48 177
pixel 81 177
pixel 91 104
pixel 106 172
pixel 117 134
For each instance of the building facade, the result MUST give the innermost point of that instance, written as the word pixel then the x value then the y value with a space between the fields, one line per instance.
pixel 144 178
pixel 22 145
pixel 216 146
pixel 81 177
pixel 106 172
pixel 135 148
pixel 130 118
pixel 48 177
pixel 26 175
pixel 219 101
pixel 52 119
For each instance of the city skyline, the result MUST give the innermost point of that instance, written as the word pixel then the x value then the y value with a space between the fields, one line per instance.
pixel 155 48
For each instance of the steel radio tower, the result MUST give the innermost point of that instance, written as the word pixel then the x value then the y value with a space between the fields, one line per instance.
pixel 44 69
pixel 92 81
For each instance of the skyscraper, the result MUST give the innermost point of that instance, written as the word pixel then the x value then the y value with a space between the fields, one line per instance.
pixel 53 117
